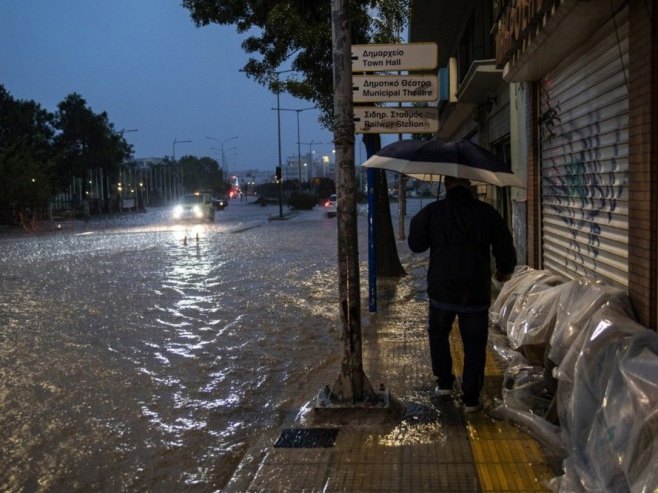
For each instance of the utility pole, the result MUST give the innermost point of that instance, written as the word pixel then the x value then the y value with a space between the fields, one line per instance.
pixel 278 126
pixel 181 187
pixel 299 152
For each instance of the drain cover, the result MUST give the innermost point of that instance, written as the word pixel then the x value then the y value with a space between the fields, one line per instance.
pixel 307 438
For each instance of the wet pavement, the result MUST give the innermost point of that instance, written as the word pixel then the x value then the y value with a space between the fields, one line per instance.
pixel 421 442
pixel 141 355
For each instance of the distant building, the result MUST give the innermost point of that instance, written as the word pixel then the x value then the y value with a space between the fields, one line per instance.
pixel 252 177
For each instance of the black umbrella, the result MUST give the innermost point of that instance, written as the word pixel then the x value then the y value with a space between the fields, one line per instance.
pixel 430 160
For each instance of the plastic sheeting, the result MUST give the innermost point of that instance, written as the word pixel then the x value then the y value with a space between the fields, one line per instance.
pixel 523 280
pixel 607 381
pixel 532 317
pixel 579 300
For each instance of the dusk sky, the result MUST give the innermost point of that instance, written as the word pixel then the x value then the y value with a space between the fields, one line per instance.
pixel 150 68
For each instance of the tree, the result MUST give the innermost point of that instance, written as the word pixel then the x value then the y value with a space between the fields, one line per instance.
pixel 86 141
pixel 202 174
pixel 27 157
pixel 298 33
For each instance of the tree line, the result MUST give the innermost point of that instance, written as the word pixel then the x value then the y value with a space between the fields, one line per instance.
pixel 42 151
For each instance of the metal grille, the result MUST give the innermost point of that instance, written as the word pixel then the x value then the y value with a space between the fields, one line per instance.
pixel 307 438
pixel 584 159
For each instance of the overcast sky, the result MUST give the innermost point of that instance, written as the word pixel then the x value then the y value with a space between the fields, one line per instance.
pixel 150 68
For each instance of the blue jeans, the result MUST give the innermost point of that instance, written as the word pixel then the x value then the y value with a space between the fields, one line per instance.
pixel 474 330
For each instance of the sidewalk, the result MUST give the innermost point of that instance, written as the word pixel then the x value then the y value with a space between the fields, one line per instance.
pixel 434 447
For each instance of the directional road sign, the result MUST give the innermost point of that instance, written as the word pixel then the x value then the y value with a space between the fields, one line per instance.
pixel 391 120
pixel 394 57
pixel 402 88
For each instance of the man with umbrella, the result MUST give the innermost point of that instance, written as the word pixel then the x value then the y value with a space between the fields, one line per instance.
pixel 461 233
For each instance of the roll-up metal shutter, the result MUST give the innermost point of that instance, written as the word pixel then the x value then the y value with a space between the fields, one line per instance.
pixel 584 159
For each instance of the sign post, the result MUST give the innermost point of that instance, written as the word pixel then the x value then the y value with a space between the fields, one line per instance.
pixel 383 88
pixel 400 88
pixel 395 120
pixel 394 57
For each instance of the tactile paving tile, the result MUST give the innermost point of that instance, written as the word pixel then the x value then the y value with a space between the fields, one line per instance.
pixel 434 448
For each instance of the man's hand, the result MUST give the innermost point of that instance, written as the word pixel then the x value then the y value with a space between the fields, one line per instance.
pixel 502 277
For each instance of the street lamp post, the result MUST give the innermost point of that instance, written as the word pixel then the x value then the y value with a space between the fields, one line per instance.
pixel 221 143
pixel 180 169
pixel 173 152
pixel 311 166
pixel 278 121
pixel 121 171
pixel 227 156
pixel 299 152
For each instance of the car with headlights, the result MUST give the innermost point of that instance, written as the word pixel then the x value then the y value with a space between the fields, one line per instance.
pixel 330 207
pixel 195 207
pixel 219 202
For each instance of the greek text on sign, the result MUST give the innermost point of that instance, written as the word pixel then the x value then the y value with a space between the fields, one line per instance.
pixel 394 57
pixel 402 88
pixel 372 119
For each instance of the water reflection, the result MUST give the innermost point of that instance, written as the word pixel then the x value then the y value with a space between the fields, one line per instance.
pixel 135 356
pixel 138 358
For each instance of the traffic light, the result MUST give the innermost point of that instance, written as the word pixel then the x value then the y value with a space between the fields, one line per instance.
pixel 278 173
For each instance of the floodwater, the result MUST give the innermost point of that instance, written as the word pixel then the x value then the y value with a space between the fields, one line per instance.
pixel 139 355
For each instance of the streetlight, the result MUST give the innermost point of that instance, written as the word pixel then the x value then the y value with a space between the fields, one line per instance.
pixel 173 158
pixel 278 120
pixel 121 166
pixel 221 143
pixel 299 152
pixel 310 153
pixel 173 153
pixel 229 154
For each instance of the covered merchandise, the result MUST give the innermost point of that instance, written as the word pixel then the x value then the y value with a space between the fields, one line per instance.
pixel 532 317
pixel 523 279
pixel 578 302
pixel 606 365
pixel 609 417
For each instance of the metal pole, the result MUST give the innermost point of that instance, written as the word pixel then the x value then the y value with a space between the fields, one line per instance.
pixel 180 187
pixel 223 163
pixel 278 122
pixel 372 246
pixel 224 166
pixel 310 167
pixel 299 154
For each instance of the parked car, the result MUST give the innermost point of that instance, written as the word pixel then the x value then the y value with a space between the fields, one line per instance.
pixel 196 206
pixel 330 206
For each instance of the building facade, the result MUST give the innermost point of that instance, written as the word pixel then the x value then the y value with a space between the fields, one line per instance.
pixel 567 92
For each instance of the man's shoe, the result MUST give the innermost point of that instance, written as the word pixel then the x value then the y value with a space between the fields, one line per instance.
pixel 440 391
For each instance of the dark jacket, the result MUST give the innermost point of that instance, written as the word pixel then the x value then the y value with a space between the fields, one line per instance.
pixel 461 233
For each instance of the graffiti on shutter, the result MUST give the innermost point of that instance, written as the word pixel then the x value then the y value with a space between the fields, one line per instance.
pixel 584 158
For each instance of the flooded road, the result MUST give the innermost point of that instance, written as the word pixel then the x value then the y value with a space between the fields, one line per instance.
pixel 140 355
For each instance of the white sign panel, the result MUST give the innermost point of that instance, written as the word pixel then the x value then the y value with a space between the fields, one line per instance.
pixel 391 120
pixel 402 88
pixel 394 57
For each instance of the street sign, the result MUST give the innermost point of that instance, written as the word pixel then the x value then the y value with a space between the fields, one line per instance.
pixel 391 120
pixel 394 57
pixel 402 88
